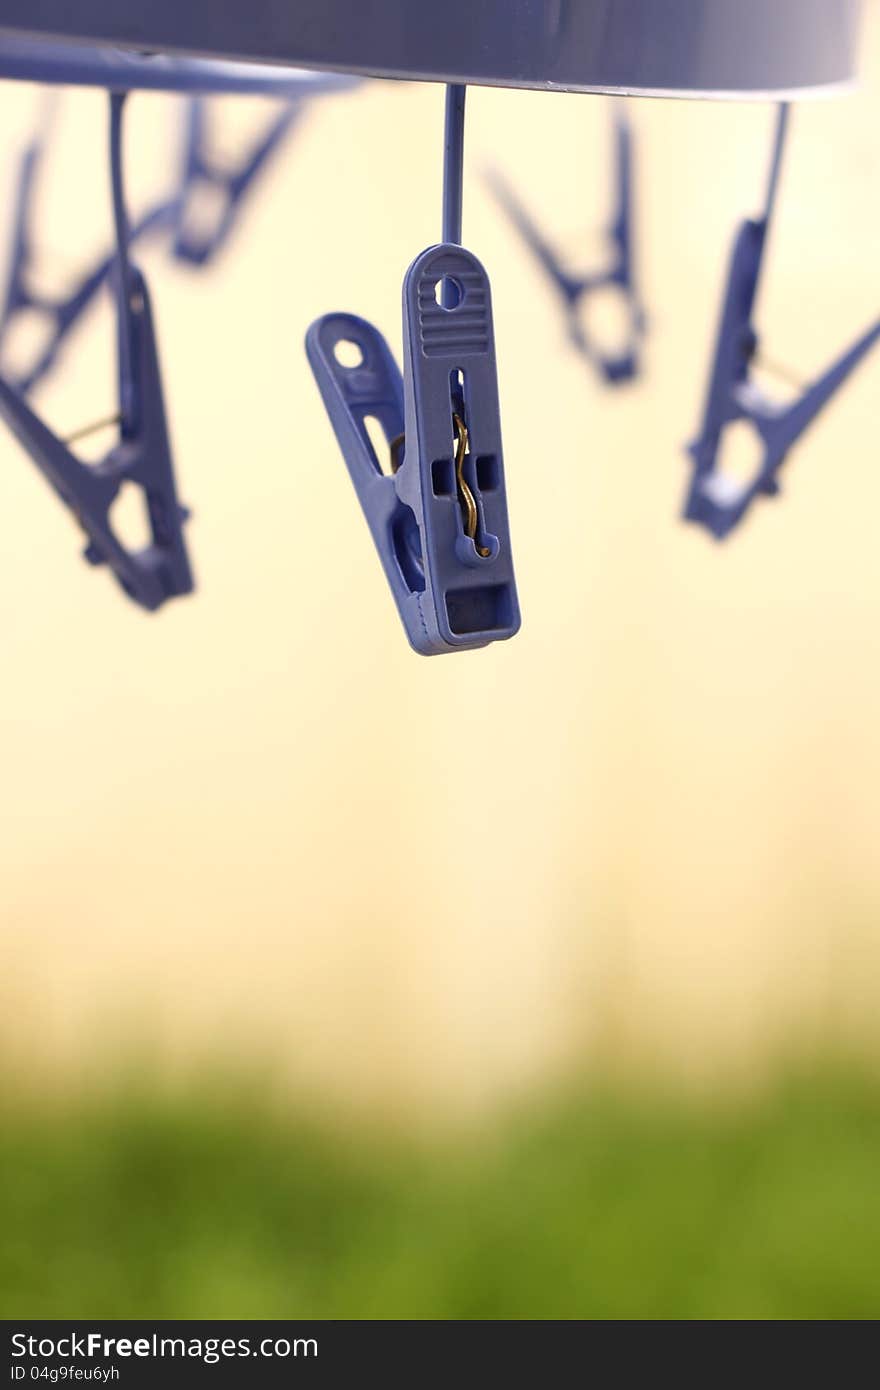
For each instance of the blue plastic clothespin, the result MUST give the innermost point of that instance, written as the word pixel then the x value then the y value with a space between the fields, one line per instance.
pixel 715 500
pixel 574 290
pixel 142 455
pixel 439 517
pixel 198 246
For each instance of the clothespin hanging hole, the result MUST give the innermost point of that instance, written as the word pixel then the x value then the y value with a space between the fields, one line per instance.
pixel 347 353
pixel 448 292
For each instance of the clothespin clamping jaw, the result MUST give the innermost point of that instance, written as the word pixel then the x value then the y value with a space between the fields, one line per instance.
pixel 438 517
pixel 715 500
pixel 142 454
pixel 622 363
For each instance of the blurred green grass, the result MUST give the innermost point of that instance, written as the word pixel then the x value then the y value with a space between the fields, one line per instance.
pixel 216 1204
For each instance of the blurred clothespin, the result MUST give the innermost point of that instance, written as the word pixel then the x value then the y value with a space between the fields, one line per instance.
pixel 575 290
pixel 197 245
pixel 715 500
pixel 142 454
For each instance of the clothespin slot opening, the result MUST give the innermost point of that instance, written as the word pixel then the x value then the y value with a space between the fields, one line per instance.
pixel 463 477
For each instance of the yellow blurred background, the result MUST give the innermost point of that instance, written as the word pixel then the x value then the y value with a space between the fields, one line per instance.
pixel 644 833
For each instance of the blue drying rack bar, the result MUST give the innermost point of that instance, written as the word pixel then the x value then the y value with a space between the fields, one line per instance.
pixel 82 65
pixel 677 48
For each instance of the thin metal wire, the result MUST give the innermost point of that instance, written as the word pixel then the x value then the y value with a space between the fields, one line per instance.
pixel 123 287
pixel 453 163
pixel 782 114
pixel 85 430
pixel 776 159
pixel 778 369
pixel 123 264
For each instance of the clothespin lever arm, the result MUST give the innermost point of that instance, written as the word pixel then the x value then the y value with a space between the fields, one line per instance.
pixel 715 500
pixel 370 387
